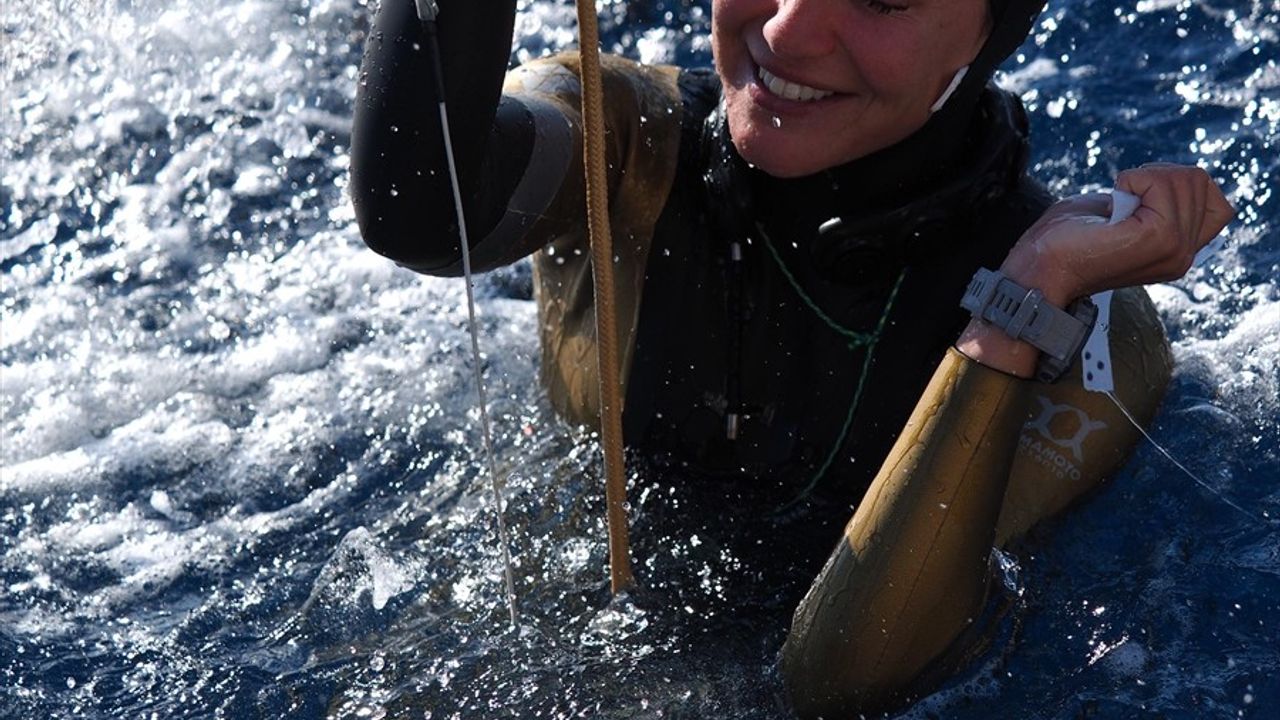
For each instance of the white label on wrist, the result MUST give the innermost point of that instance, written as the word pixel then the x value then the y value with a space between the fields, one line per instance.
pixel 1095 357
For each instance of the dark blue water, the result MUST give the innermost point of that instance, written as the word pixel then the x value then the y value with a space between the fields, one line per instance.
pixel 240 473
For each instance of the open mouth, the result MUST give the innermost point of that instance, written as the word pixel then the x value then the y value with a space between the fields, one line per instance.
pixel 790 90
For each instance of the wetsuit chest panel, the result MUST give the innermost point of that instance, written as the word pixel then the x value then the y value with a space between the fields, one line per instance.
pixel 717 336
pixel 795 375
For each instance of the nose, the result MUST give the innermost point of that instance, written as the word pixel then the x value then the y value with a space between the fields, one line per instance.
pixel 801 29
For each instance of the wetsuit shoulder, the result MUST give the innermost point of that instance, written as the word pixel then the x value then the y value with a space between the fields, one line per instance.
pixel 643 116
pixel 1018 199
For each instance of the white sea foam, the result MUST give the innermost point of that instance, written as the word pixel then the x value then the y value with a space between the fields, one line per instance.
pixel 1239 357
pixel 1024 78
pixel 358 568
pixel 203 366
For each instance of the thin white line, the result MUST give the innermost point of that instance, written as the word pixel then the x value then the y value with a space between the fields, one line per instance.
pixel 475 352
pixel 1173 460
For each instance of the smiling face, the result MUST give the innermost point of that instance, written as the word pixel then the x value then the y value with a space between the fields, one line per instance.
pixel 811 84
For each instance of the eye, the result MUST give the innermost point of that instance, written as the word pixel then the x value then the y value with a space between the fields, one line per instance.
pixel 884 8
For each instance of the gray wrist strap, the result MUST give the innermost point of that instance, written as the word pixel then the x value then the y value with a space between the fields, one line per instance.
pixel 1024 315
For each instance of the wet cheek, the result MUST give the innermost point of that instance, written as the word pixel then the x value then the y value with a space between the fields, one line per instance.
pixel 881 59
pixel 728 16
pixel 902 77
pixel 726 41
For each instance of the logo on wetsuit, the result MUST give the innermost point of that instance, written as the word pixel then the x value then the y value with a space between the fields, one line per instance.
pixel 1065 426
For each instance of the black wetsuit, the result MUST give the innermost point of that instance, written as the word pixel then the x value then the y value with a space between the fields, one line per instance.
pixel 746 297
pixel 717 336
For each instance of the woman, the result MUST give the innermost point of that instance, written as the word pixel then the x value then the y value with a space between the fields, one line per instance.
pixel 794 233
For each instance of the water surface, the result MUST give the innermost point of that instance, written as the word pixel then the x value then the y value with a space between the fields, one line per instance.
pixel 240 461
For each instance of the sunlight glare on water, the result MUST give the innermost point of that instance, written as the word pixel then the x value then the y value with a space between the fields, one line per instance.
pixel 241 473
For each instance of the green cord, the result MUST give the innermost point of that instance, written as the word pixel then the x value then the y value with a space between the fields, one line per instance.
pixel 856 340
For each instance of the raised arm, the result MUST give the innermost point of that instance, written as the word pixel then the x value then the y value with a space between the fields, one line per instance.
pixel 910 574
pixel 399 179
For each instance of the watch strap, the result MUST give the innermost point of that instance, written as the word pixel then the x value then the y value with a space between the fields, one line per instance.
pixel 1023 314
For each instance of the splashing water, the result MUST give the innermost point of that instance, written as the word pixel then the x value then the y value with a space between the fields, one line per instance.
pixel 241 475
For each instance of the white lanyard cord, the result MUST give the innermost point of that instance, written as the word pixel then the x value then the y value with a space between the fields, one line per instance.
pixel 427 12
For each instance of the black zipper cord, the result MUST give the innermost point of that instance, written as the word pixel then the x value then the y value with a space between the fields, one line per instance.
pixel 737 329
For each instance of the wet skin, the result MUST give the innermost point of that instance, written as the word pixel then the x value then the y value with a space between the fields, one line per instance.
pixel 885 63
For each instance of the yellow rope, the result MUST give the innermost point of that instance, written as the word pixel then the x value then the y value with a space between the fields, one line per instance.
pixel 620 576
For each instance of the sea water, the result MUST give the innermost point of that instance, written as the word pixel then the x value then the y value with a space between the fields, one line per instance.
pixel 241 471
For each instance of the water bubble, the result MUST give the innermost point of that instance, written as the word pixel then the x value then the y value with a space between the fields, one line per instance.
pixel 777 121
pixel 219 330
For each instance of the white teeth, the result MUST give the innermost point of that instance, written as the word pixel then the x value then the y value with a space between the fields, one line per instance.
pixel 789 90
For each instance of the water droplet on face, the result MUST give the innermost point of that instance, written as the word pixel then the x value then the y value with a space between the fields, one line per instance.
pixel 777 121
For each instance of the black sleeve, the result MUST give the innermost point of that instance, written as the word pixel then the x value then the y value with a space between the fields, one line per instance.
pixel 399 176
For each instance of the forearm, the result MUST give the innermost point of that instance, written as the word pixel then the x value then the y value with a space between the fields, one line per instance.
pixel 911 570
pixel 399 177
pixel 910 573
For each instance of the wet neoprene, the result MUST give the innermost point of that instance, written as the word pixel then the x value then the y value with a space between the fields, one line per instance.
pixel 719 326
pixel 745 346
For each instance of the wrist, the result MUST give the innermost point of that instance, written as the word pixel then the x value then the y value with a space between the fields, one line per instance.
pixel 1030 268
pixel 988 345
pixel 1018 330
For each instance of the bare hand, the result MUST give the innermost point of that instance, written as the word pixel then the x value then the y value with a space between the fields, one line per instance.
pixel 1071 251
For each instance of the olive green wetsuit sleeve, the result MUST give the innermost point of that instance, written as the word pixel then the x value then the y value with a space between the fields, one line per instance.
pixel 642 116
pixel 911 569
pixel 911 572
pixel 1074 438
